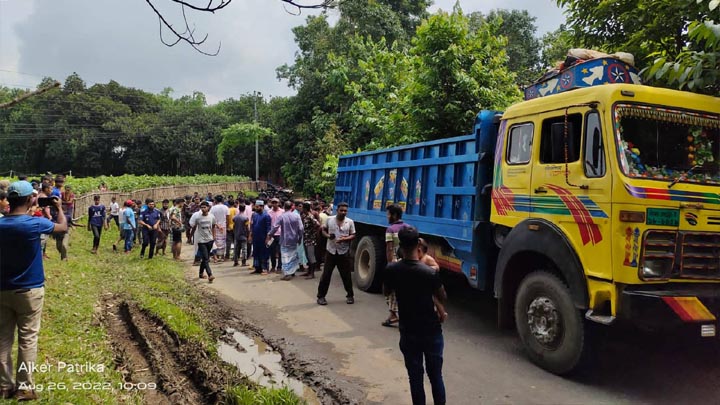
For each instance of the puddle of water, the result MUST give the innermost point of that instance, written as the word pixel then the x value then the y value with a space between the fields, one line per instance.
pixel 255 359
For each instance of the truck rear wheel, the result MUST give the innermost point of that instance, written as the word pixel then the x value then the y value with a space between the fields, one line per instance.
pixel 369 262
pixel 550 327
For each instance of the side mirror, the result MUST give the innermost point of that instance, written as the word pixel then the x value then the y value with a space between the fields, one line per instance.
pixel 557 142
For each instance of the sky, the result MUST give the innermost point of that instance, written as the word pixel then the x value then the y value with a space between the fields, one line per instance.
pixel 118 40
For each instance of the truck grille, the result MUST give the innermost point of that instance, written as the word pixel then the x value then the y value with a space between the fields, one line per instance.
pixel 700 254
pixel 693 255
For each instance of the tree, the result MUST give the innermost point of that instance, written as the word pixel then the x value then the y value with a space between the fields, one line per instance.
pixel 109 129
pixel 457 73
pixel 376 79
pixel 241 134
pixel 393 20
pixel 523 48
pixel 322 69
pixel 555 46
pixel 655 31
pixel 697 67
pixel 640 27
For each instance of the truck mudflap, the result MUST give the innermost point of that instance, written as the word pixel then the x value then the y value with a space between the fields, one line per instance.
pixel 672 306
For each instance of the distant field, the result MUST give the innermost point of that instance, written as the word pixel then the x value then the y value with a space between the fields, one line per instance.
pixel 128 182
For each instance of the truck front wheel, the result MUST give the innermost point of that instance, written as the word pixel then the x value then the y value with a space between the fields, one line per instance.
pixel 369 262
pixel 550 327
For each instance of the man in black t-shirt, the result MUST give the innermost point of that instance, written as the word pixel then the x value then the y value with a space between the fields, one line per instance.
pixel 415 284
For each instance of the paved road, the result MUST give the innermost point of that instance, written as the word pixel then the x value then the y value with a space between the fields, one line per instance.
pixel 483 365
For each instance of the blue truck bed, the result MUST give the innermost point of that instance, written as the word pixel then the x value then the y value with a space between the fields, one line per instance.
pixel 443 186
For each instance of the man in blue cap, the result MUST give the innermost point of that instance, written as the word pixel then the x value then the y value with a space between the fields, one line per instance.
pixel 22 292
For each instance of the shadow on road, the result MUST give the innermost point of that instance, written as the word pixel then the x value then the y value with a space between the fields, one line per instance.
pixel 629 364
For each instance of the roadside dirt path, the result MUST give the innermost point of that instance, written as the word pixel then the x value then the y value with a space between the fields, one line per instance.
pixel 344 347
pixel 363 361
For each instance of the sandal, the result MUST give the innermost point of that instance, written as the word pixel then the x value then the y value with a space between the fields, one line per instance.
pixel 390 322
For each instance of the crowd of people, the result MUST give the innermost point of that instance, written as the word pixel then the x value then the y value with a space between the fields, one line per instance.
pixel 285 237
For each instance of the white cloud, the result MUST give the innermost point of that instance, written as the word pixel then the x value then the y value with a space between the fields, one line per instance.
pixel 118 39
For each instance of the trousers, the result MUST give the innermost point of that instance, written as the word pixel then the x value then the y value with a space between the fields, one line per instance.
pixel 149 237
pixel 344 266
pixel 21 310
pixel 415 348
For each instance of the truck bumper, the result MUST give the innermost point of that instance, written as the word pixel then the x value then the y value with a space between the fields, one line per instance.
pixel 672 306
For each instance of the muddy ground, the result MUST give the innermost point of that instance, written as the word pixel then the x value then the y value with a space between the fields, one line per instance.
pixel 169 370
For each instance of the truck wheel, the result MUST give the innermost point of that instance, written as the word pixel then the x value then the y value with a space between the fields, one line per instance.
pixel 369 262
pixel 550 327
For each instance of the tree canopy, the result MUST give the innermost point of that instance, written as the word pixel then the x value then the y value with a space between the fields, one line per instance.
pixel 676 40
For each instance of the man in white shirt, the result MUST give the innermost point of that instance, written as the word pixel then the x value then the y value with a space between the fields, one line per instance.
pixel 114 212
pixel 220 212
pixel 203 227
pixel 339 231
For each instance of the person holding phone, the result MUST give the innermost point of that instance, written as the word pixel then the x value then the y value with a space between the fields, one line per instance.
pixel 22 289
pixel 339 231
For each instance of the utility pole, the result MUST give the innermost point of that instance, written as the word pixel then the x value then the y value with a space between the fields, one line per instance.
pixel 256 94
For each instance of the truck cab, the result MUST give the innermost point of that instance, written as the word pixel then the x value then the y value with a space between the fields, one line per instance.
pixel 612 194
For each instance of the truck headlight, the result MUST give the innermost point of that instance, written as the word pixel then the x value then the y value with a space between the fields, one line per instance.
pixel 656 268
pixel 658 254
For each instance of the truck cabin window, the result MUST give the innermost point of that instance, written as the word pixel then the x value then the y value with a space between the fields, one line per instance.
pixel 594 153
pixel 520 144
pixel 556 133
pixel 662 144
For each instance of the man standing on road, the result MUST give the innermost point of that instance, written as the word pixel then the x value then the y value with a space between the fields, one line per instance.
pixel 150 223
pixel 188 211
pixel 114 212
pixel 96 221
pixel 241 230
pixel 290 238
pixel 220 212
pixel 164 231
pixel 394 217
pixel 322 241
pixel 22 292
pixel 230 240
pixel 275 212
pixel 128 225
pixel 261 224
pixel 176 226
pixel 417 287
pixel 311 227
pixel 203 226
pixel 249 210
pixel 339 231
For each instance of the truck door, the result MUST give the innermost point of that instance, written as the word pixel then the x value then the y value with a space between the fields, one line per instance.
pixel 513 170
pixel 570 184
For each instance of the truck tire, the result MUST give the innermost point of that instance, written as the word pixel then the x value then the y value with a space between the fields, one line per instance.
pixel 551 329
pixel 369 262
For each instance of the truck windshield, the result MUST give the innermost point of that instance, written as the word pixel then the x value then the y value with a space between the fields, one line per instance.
pixel 668 145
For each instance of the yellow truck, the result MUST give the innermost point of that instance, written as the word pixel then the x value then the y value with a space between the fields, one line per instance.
pixel 578 206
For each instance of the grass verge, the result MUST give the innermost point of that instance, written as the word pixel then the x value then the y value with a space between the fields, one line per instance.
pixel 75 346
pixel 246 396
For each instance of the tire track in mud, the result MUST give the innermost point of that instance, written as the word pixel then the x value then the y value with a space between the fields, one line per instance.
pixel 148 352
